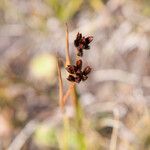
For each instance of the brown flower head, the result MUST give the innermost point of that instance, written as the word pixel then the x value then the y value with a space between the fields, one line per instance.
pixel 82 43
pixel 77 75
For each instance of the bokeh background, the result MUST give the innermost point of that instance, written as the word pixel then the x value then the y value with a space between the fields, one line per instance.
pixel 116 94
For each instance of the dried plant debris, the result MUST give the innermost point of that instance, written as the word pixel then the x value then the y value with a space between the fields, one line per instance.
pixel 81 43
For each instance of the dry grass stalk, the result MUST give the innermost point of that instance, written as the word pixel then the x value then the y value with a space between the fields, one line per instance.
pixel 67 47
pixel 68 93
pixel 72 90
pixel 61 104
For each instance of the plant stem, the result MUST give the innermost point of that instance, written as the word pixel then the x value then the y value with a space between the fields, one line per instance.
pixel 75 100
pixel 61 104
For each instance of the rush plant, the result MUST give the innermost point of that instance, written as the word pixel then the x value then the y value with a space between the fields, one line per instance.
pixel 76 74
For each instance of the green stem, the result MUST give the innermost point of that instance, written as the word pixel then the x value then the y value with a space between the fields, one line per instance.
pixel 78 120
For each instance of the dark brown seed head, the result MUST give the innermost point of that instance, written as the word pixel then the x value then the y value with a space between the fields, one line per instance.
pixel 87 70
pixel 71 78
pixel 82 43
pixel 71 69
pixel 79 64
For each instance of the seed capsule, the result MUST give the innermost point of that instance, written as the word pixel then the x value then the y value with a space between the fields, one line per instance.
pixel 71 78
pixel 84 78
pixel 77 41
pixel 71 69
pixel 87 70
pixel 79 64
pixel 86 47
pixel 89 39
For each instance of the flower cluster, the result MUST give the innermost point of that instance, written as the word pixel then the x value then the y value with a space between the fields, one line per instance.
pixel 81 43
pixel 76 73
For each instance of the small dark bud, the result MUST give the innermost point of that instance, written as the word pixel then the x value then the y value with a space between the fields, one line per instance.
pixel 71 69
pixel 89 39
pixel 78 79
pixel 86 47
pixel 76 43
pixel 87 70
pixel 79 64
pixel 71 78
pixel 78 39
pixel 79 36
pixel 84 78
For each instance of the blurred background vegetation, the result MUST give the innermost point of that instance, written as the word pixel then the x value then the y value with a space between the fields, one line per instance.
pixel 116 94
